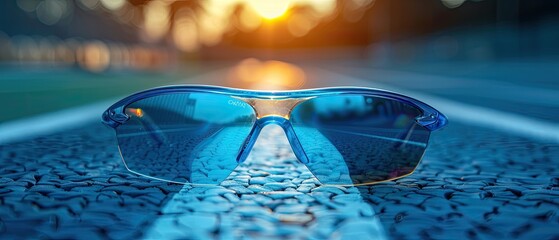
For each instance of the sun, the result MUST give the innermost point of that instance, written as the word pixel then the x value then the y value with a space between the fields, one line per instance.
pixel 270 9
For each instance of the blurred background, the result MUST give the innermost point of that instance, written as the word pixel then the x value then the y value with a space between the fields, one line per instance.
pixel 56 54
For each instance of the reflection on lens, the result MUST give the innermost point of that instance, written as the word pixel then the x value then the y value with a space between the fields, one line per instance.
pixel 355 139
pixel 185 138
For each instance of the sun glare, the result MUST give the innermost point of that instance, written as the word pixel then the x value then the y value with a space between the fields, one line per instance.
pixel 252 73
pixel 270 9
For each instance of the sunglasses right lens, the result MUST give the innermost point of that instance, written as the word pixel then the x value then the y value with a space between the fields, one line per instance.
pixel 356 139
pixel 185 137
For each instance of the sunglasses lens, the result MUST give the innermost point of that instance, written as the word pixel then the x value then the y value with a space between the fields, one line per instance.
pixel 186 137
pixel 356 139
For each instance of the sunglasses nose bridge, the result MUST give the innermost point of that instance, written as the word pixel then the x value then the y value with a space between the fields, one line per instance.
pixel 273 107
pixel 287 128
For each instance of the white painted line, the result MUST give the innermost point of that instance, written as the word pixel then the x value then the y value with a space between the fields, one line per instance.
pixel 52 122
pixel 488 89
pixel 378 137
pixel 495 119
pixel 468 114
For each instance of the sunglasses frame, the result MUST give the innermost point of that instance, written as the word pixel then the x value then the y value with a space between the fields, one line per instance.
pixel 276 107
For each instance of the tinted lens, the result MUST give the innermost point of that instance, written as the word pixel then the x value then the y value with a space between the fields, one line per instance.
pixel 187 137
pixel 356 139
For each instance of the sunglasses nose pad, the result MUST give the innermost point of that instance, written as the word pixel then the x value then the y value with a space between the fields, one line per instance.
pixel 288 129
pixel 249 142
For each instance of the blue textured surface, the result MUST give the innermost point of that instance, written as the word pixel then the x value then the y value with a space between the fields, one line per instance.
pixel 73 184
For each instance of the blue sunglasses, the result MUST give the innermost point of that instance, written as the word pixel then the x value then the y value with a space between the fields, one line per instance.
pixel 197 134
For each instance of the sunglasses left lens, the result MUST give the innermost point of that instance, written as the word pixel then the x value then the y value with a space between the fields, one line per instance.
pixel 185 137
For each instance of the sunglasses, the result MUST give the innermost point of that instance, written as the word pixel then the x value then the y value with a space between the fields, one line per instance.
pixel 197 134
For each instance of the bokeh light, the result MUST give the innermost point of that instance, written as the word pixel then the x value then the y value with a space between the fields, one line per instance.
pixel 453 3
pixel 269 9
pixel 249 20
pixel 300 24
pixel 156 20
pixel 113 4
pixel 48 12
pixel 252 73
pixel 94 56
pixel 185 31
pixel 88 4
pixel 28 6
